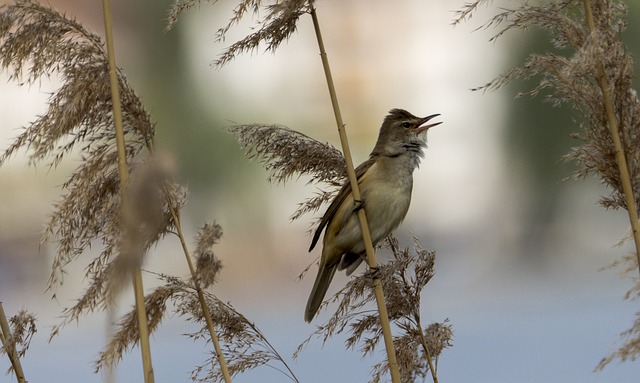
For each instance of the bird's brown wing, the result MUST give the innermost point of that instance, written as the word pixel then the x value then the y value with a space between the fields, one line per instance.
pixel 335 204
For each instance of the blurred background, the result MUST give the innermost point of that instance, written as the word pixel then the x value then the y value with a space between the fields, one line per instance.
pixel 519 250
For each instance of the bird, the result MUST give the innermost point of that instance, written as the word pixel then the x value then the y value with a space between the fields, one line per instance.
pixel 385 180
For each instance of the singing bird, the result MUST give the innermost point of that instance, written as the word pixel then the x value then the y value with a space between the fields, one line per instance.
pixel 385 181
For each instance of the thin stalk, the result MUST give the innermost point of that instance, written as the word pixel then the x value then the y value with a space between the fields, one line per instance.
pixel 425 347
pixel 11 351
pixel 203 303
pixel 123 170
pixel 625 176
pixel 291 375
pixel 364 226
pixel 416 318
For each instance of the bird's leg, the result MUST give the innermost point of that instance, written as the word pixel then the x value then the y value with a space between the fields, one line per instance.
pixel 374 272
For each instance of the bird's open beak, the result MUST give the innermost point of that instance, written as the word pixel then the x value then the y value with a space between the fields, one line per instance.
pixel 421 128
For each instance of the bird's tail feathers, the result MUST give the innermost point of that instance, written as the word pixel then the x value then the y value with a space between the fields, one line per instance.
pixel 319 290
pixel 351 261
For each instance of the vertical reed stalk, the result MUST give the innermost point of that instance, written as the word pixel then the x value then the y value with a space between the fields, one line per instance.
pixel 625 177
pixel 203 303
pixel 366 235
pixel 141 313
pixel 10 351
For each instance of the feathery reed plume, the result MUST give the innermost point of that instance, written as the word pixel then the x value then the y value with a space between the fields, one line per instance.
pixel 205 272
pixel 243 344
pixel 277 25
pixel 573 80
pixel 245 347
pixel 403 280
pixel 128 334
pixel 286 153
pixel 16 339
pixel 79 118
pixel 207 264
pixel 629 348
pixel 593 72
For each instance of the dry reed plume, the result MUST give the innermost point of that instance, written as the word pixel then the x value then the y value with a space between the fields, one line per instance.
pixel 38 42
pixel 15 338
pixel 276 26
pixel 403 280
pixel 591 70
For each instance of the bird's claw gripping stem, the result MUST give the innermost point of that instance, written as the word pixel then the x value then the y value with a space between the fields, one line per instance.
pixel 359 204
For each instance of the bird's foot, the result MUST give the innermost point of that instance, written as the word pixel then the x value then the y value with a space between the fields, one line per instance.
pixel 374 273
pixel 358 204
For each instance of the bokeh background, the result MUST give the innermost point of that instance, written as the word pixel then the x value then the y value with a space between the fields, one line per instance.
pixel 519 250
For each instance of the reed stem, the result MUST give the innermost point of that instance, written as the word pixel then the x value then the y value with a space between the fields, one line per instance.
pixel 123 171
pixel 5 333
pixel 203 303
pixel 621 160
pixel 364 226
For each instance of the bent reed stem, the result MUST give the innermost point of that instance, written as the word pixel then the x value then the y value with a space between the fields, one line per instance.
pixel 621 160
pixel 366 235
pixel 201 299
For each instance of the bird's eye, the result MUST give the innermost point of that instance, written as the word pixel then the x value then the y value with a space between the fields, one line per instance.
pixel 406 125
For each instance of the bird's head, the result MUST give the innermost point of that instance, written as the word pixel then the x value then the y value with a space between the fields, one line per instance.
pixel 401 131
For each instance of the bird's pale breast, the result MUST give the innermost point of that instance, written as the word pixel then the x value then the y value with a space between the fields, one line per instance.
pixel 386 204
